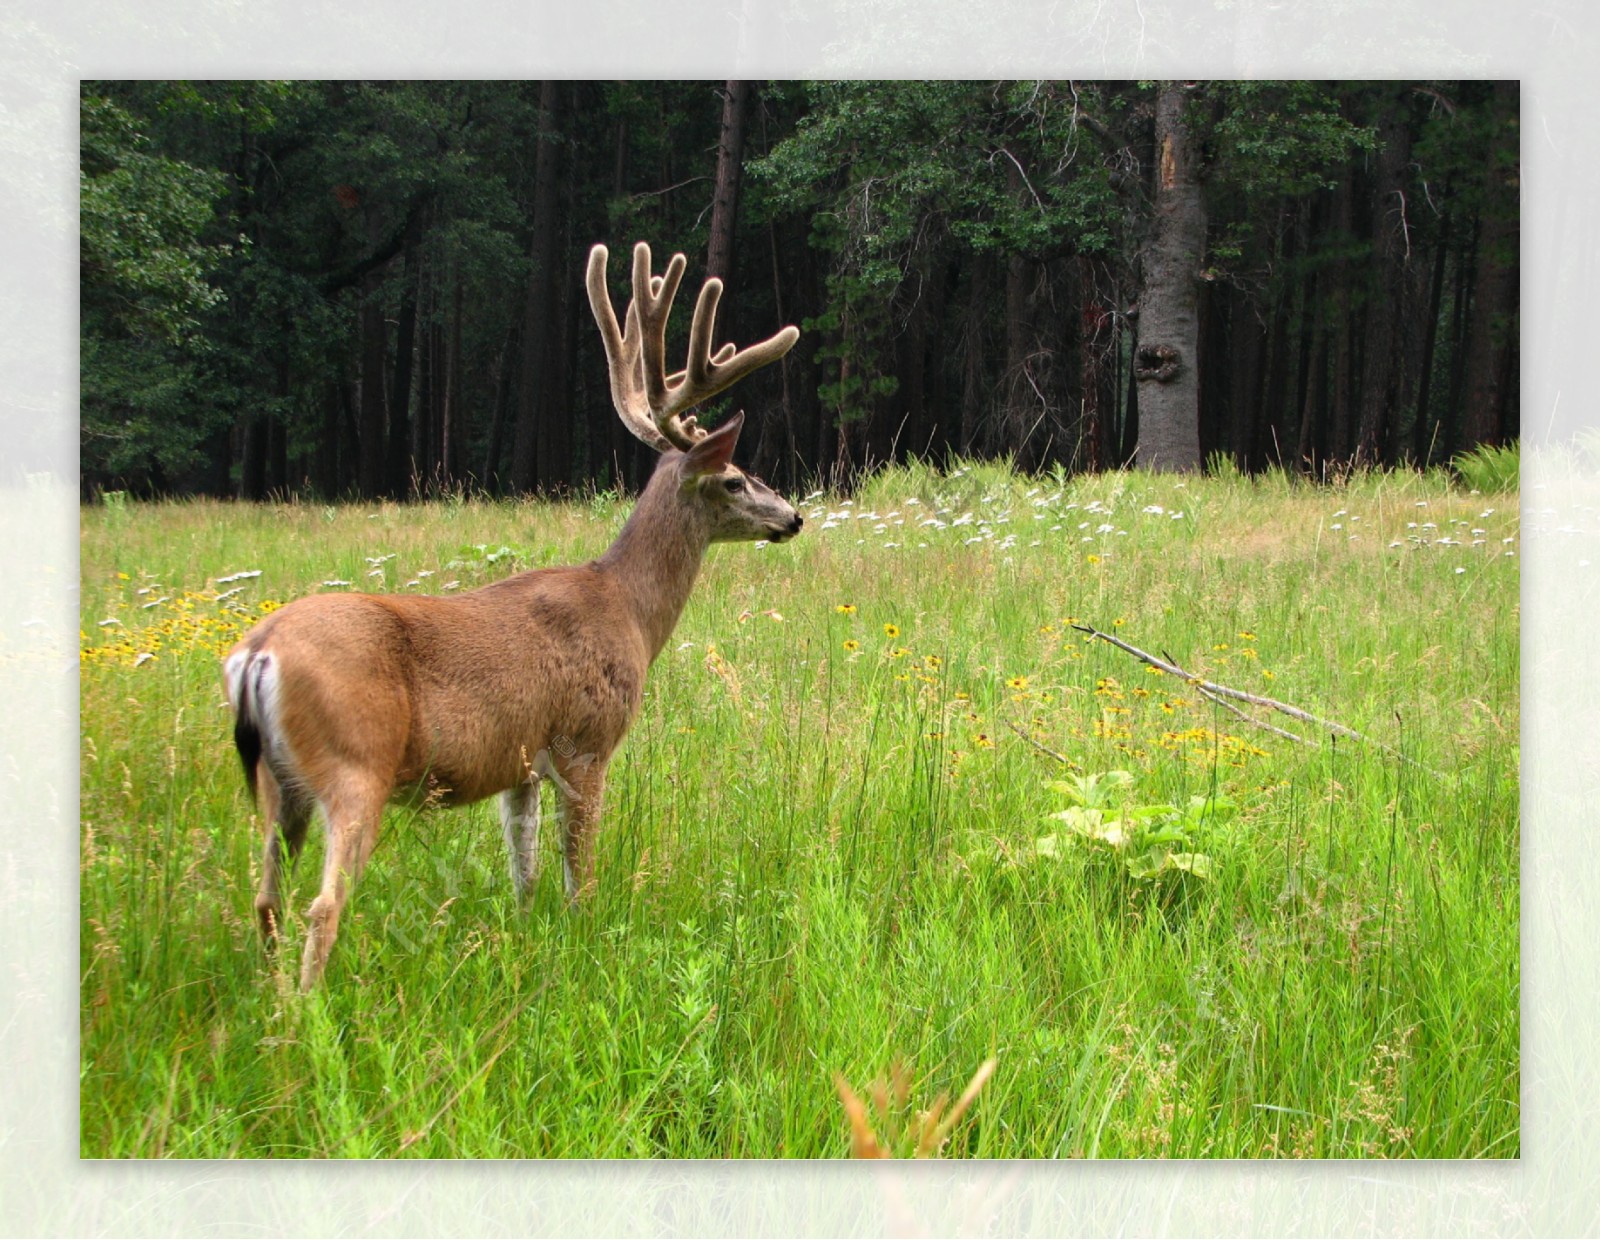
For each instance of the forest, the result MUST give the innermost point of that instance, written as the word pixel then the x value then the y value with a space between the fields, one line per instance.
pixel 375 289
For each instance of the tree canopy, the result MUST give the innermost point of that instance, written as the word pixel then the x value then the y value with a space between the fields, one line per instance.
pixel 376 287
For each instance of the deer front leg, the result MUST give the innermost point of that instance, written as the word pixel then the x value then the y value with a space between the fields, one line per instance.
pixel 519 815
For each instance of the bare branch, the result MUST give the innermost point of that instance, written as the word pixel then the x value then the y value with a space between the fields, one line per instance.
pixel 1089 122
pixel 1022 172
pixel 1405 226
pixel 1049 753
pixel 1262 724
pixel 1214 691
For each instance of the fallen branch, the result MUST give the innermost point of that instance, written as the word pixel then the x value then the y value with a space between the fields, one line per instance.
pixel 1260 723
pixel 1215 693
pixel 1044 749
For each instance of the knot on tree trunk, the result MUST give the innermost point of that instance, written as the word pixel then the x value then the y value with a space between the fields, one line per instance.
pixel 1157 361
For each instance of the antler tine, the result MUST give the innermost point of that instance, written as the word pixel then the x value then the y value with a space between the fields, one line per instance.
pixel 708 374
pixel 651 402
pixel 623 355
pixel 653 296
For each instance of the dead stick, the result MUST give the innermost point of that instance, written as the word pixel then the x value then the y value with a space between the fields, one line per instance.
pixel 1049 753
pixel 1294 712
pixel 1260 723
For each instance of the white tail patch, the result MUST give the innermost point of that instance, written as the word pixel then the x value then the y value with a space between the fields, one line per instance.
pixel 251 677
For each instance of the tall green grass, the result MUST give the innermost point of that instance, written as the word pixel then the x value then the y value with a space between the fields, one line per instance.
pixel 821 847
pixel 1490 468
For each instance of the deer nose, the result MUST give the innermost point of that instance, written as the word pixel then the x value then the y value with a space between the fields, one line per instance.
pixel 794 526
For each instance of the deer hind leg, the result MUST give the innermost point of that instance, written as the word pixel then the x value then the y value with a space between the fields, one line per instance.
pixel 286 812
pixel 354 809
pixel 582 785
pixel 519 815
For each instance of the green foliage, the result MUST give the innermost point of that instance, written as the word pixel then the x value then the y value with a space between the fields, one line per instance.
pixel 1270 144
pixel 891 173
pixel 1275 139
pixel 145 271
pixel 1147 840
pixel 143 264
pixel 1490 468
pixel 963 255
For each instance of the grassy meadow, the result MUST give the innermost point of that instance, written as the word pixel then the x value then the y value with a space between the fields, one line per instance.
pixel 868 827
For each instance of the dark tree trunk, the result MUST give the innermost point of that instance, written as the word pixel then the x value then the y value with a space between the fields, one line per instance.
pixel 1340 412
pixel 801 361
pixel 1214 371
pixel 1305 324
pixel 374 410
pixel 1166 362
pixel 790 447
pixel 253 459
pixel 503 389
pixel 1021 409
pixel 402 467
pixel 555 419
pixel 1277 368
pixel 1423 427
pixel 974 391
pixel 1465 265
pixel 349 437
pixel 1128 431
pixel 449 452
pixel 622 448
pixel 1493 330
pixel 1387 313
pixel 1095 368
pixel 535 438
pixel 1311 399
pixel 921 331
pixel 328 479
pixel 278 432
pixel 725 191
pixel 1244 381
pixel 425 419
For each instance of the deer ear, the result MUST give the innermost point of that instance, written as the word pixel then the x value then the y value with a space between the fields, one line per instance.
pixel 713 453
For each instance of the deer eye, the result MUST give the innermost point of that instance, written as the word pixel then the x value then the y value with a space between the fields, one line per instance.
pixel 734 485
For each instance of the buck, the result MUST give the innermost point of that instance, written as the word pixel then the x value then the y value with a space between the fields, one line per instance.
pixel 345 702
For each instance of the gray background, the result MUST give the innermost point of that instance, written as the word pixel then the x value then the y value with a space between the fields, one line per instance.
pixel 46 49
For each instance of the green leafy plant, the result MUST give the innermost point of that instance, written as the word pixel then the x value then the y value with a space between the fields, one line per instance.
pixel 1147 840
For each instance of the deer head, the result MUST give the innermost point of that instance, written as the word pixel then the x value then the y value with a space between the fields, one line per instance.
pixel 655 405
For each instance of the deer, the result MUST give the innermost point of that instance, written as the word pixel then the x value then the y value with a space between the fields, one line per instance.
pixel 344 703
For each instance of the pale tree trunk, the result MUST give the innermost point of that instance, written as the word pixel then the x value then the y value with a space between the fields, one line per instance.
pixel 1166 361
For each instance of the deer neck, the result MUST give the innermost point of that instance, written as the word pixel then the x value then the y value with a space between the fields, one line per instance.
pixel 656 557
